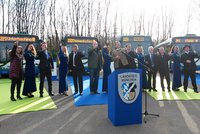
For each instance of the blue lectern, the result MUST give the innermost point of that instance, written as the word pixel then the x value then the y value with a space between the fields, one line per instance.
pixel 125 97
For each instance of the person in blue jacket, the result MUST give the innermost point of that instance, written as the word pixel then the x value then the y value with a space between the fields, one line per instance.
pixel 63 69
pixel 141 65
pixel 175 56
pixel 29 84
pixel 106 67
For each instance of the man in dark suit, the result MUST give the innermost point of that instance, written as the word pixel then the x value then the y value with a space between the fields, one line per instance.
pixel 77 68
pixel 150 60
pixel 187 58
pixel 45 66
pixel 163 68
pixel 95 65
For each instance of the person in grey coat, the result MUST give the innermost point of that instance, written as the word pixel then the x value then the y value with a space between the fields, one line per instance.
pixel 94 65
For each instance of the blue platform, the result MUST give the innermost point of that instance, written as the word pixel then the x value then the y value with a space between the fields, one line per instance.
pixel 87 99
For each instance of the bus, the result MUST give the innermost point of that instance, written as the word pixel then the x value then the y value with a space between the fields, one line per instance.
pixel 137 40
pixel 84 43
pixel 6 44
pixel 192 40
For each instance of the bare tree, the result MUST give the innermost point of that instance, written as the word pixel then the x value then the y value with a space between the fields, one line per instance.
pixel 107 5
pixel 3 14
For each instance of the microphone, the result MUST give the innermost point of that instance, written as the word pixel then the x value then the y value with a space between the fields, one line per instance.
pixel 145 66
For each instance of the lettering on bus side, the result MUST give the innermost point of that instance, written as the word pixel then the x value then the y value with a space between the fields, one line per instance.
pixel 21 39
pixel 125 39
pixel 191 40
pixel 72 40
pixel 178 40
pixel 138 39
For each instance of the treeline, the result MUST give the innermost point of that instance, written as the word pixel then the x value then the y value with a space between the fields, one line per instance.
pixel 52 20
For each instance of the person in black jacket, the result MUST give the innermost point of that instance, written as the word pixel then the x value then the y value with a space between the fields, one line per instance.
pixel 95 65
pixel 45 66
pixel 187 58
pixel 77 68
pixel 163 68
pixel 150 60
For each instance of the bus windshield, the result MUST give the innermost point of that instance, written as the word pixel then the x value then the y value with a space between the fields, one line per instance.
pixel 81 47
pixel 6 47
pixel 135 41
pixel 7 41
pixel 84 43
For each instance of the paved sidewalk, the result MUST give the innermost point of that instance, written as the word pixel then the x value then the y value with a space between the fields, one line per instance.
pixel 176 117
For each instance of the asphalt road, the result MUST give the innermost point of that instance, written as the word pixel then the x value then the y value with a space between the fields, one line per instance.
pixel 176 117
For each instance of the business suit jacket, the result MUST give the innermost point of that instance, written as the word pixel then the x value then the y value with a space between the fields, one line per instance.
pixel 151 64
pixel 190 56
pixel 94 59
pixel 45 64
pixel 162 63
pixel 78 62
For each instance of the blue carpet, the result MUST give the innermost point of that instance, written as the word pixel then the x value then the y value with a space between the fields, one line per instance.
pixel 87 99
pixel 198 79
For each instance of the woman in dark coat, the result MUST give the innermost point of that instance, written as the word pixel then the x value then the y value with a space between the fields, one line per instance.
pixel 63 68
pixel 106 67
pixel 16 70
pixel 141 63
pixel 29 83
pixel 176 68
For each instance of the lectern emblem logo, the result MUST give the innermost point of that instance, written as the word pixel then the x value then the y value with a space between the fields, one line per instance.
pixel 128 86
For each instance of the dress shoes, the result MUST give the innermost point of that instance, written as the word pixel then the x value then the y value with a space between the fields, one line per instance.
pixel 65 93
pixel 154 90
pixel 41 95
pixel 96 92
pixel 75 93
pixel 19 97
pixel 176 89
pixel 196 91
pixel 51 94
pixel 12 99
pixel 30 96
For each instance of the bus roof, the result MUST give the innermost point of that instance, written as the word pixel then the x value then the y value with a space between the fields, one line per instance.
pixel 18 37
pixel 79 40
pixel 180 40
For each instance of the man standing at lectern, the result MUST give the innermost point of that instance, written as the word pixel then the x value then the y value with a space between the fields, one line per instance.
pixel 95 65
pixel 119 57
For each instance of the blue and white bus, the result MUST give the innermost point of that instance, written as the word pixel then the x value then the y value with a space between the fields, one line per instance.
pixel 6 44
pixel 137 40
pixel 84 43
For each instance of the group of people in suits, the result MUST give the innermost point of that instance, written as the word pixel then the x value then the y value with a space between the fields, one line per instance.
pixel 124 58
pixel 189 67
pixel 67 62
pixel 153 62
